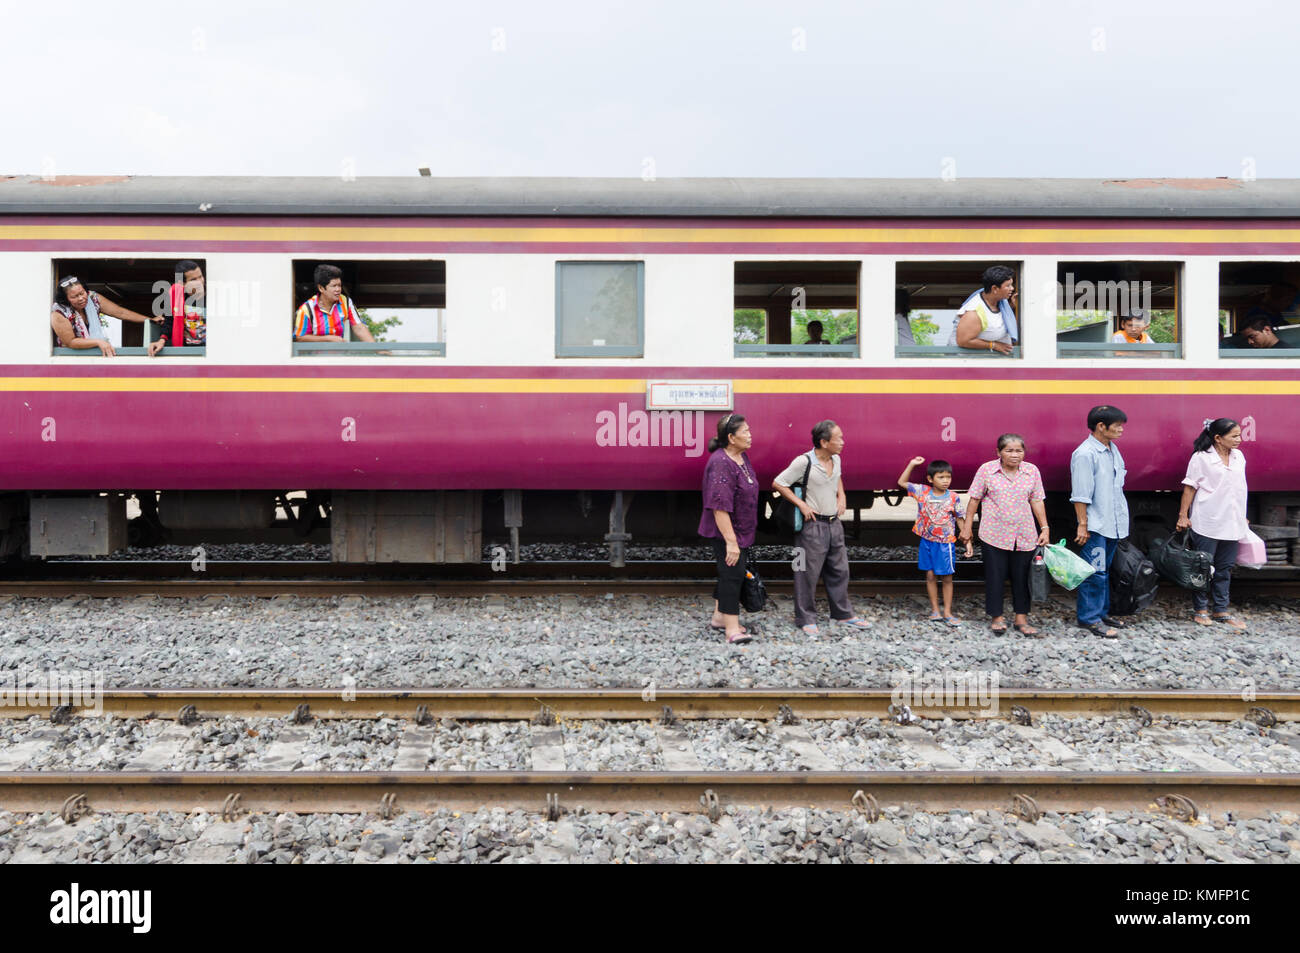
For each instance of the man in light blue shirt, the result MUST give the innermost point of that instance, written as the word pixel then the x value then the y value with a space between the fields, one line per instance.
pixel 1097 492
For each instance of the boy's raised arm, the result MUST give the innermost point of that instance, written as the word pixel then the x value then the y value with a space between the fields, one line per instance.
pixel 907 471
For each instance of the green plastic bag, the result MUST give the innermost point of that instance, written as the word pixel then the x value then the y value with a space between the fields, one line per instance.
pixel 1064 566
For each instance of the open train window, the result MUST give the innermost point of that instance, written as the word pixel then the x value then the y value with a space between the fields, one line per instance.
pixel 1121 309
pixel 394 308
pixel 1259 309
pixel 129 303
pixel 930 297
pixel 796 308
pixel 599 308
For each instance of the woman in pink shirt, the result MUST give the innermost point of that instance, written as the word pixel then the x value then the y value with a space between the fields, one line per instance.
pixel 1012 493
pixel 1216 484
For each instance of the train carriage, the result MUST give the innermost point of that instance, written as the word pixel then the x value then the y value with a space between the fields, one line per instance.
pixel 557 303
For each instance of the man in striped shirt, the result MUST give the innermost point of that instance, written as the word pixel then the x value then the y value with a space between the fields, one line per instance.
pixel 321 317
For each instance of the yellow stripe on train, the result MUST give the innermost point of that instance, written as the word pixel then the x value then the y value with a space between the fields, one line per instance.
pixel 490 385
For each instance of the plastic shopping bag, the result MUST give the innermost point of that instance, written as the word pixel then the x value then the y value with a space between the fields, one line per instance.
pixel 1251 551
pixel 1065 567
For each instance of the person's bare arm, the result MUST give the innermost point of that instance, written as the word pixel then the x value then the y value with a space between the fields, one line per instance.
pixel 905 477
pixel 114 310
pixel 723 519
pixel 318 337
pixel 968 335
pixel 360 330
pixel 1081 516
pixel 841 499
pixel 1040 514
pixel 972 507
pixel 68 338
pixel 799 504
pixel 1184 508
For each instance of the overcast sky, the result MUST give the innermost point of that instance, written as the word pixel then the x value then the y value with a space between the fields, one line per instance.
pixel 701 88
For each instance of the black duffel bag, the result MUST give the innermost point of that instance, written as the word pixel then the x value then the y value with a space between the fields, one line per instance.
pixel 1177 562
pixel 753 594
pixel 1133 580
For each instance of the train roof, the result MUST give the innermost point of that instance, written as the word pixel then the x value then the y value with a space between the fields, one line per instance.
pixel 723 197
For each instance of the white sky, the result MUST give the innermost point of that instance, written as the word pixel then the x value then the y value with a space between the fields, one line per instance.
pixel 701 88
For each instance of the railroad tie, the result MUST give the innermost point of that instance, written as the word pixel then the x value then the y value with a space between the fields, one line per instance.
pixel 286 751
pixel 547 747
pixel 927 749
pixel 558 846
pixel 413 749
pixel 1061 753
pixel 676 749
pixel 1203 760
pixel 14 757
pixel 161 753
pixel 799 740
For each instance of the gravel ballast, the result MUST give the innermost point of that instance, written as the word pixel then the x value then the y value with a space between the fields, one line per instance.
pixel 625 641
pixel 741 835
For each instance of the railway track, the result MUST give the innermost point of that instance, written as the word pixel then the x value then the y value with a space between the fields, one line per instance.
pixel 516 704
pixel 551 790
pixel 106 578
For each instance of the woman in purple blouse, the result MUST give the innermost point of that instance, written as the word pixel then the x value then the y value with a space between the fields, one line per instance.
pixel 730 520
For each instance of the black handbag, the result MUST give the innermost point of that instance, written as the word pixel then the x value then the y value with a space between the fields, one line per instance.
pixel 753 594
pixel 1040 581
pixel 1173 559
pixel 785 513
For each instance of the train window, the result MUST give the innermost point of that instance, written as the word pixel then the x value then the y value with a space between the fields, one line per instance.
pixel 395 308
pixel 133 305
pixel 599 308
pixel 930 297
pixel 1259 309
pixel 795 308
pixel 1124 309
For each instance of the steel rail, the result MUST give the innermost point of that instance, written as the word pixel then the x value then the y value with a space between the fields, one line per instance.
pixel 631 704
pixel 1248 795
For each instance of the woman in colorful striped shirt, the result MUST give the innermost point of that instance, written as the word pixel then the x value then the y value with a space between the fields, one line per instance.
pixel 321 317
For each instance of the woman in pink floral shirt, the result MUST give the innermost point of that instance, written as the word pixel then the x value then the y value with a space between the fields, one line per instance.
pixel 1012 493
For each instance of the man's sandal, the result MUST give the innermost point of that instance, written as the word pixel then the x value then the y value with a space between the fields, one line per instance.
pixel 1229 620
pixel 1202 618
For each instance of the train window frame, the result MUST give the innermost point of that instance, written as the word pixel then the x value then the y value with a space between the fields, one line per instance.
pixel 87 267
pixel 600 350
pixel 923 352
pixel 348 347
pixel 1268 271
pixel 1107 348
pixel 766 349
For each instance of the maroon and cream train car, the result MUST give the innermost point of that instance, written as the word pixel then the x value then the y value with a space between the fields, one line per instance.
pixel 564 339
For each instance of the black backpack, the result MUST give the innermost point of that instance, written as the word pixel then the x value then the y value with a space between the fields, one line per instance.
pixel 1133 580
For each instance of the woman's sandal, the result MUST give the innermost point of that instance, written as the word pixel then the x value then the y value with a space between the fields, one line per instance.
pixel 953 620
pixel 1230 621
pixel 936 617
pixel 999 628
pixel 856 623
pixel 1027 630
pixel 810 629
pixel 744 636
pixel 1100 630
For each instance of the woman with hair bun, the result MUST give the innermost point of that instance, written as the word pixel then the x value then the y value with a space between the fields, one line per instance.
pixel 730 521
pixel 1216 483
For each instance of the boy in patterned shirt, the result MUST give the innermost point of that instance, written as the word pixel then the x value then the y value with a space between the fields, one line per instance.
pixel 937 511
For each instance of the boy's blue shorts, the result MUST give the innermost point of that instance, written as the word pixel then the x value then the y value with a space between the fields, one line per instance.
pixel 939 558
